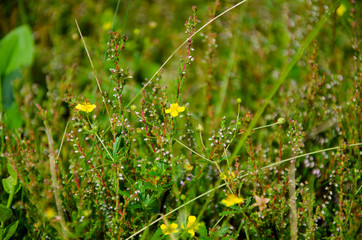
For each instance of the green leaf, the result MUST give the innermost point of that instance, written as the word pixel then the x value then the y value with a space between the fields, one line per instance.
pixel 16 50
pixel 116 146
pixel 157 234
pixel 12 117
pixel 7 87
pixel 5 213
pixel 10 230
pixel 11 171
pixel 9 184
pixel 202 230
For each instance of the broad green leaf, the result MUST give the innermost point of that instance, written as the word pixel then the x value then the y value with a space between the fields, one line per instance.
pixel 10 230
pixel 5 213
pixel 16 50
pixel 11 171
pixel 12 117
pixel 202 230
pixel 9 184
pixel 15 177
pixel 7 88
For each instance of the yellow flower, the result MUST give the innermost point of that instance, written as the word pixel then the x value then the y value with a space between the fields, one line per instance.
pixel 86 107
pixel 191 225
pixel 341 10
pixel 169 229
pixel 175 109
pixel 188 167
pixel 231 200
pixel 229 176
pixel 261 202
pixel 136 31
pixel 50 213
pixel 107 26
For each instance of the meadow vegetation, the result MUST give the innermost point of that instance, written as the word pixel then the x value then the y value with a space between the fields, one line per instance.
pixel 180 119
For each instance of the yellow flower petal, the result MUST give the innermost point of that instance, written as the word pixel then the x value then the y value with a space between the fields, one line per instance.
pixel 181 109
pixel 341 10
pixel 192 220
pixel 192 232
pixel 192 226
pixel 163 227
pixel 174 113
pixel 86 107
pixel 172 228
pixel 231 200
pixel 174 109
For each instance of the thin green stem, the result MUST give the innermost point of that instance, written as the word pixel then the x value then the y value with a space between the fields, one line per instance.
pixel 265 126
pixel 104 146
pixel 218 221
pixel 202 141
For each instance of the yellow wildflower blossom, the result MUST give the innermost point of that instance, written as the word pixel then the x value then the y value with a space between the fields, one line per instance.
pixel 188 167
pixel 341 10
pixel 191 225
pixel 229 176
pixel 86 107
pixel 231 200
pixel 50 213
pixel 172 228
pixel 107 26
pixel 175 109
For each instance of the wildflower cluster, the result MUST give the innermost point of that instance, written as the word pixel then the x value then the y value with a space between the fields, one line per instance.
pixel 191 227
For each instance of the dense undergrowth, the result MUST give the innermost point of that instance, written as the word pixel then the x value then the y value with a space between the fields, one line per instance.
pixel 251 131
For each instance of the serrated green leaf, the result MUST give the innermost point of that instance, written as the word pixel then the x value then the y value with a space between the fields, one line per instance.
pixel 5 213
pixel 10 230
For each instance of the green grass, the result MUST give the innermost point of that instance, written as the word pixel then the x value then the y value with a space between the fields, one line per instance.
pixel 268 145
